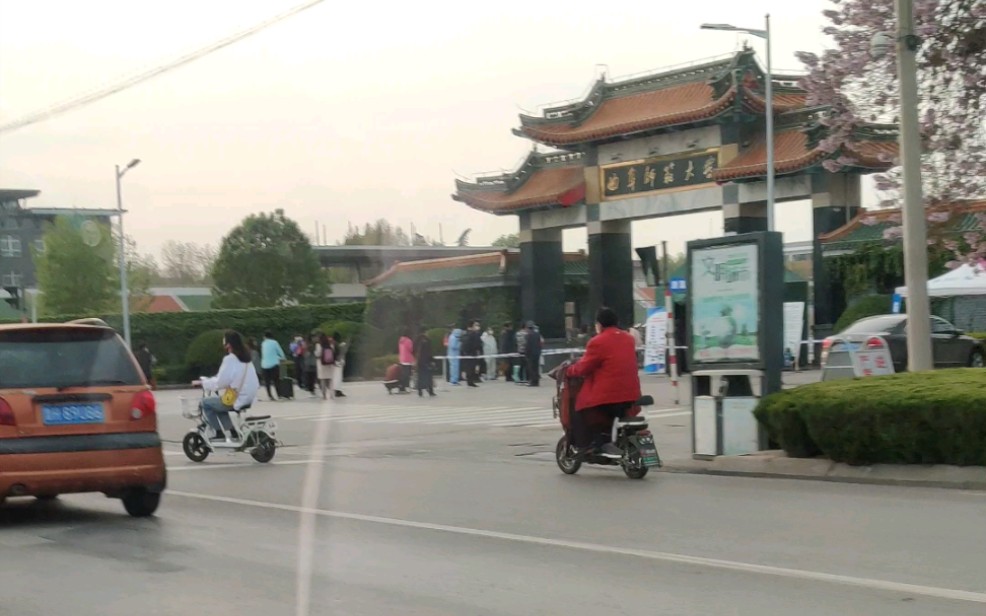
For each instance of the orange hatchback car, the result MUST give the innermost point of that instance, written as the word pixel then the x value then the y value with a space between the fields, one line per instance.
pixel 76 415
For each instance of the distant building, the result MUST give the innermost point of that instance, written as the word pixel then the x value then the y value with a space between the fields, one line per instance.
pixel 22 228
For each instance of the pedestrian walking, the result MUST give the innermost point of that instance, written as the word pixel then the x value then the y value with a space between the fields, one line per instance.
pixel 508 345
pixel 405 357
pixel 271 356
pixel 521 337
pixel 489 353
pixel 311 365
pixel 298 349
pixel 146 361
pixel 341 347
pixel 472 348
pixel 454 347
pixel 423 359
pixel 326 351
pixel 533 352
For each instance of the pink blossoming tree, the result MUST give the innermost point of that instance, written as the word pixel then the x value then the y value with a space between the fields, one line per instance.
pixel 952 83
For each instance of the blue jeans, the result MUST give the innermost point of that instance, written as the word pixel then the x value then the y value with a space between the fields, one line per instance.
pixel 217 414
pixel 455 369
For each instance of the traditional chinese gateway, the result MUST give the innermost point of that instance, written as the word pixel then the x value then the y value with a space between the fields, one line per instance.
pixel 675 142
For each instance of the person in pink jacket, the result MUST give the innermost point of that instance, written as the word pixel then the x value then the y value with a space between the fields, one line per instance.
pixel 405 357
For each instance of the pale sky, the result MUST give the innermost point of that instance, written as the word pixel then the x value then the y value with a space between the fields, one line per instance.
pixel 346 113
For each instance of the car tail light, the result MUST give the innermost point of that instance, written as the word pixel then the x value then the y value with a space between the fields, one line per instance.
pixel 6 414
pixel 143 405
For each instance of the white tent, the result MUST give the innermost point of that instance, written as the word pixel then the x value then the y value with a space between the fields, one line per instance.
pixel 963 280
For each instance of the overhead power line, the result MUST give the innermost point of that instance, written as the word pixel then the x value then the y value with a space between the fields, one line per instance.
pixel 129 82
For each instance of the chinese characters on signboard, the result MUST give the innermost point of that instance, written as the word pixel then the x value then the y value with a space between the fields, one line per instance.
pixel 725 303
pixel 629 179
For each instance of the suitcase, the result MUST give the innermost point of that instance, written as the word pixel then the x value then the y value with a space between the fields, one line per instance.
pixel 285 388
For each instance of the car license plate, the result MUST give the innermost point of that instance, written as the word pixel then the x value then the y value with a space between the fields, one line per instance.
pixel 72 414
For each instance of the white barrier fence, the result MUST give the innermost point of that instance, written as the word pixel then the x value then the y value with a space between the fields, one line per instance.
pixel 577 351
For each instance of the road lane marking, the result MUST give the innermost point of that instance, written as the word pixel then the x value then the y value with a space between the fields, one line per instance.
pixel 669 557
pixel 212 467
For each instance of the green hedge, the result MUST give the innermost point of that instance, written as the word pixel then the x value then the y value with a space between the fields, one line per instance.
pixel 205 354
pixel 869 306
pixel 378 365
pixel 936 417
pixel 169 334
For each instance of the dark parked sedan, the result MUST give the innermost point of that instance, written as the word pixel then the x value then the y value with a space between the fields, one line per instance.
pixel 951 348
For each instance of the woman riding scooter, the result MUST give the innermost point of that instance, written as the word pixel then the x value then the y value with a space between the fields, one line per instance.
pixel 611 385
pixel 236 384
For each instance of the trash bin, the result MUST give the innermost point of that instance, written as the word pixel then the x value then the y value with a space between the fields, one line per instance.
pixel 722 412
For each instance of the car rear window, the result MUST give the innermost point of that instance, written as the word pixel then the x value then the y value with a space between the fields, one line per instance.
pixel 874 325
pixel 69 357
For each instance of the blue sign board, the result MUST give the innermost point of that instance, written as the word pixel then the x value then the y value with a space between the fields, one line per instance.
pixel 678 285
pixel 897 301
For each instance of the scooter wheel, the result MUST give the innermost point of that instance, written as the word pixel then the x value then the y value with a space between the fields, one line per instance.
pixel 264 451
pixel 566 462
pixel 634 467
pixel 195 447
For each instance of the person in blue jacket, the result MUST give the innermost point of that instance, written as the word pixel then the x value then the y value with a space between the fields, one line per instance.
pixel 454 349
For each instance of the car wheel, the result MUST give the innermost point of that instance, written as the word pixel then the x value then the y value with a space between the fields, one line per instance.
pixel 140 503
pixel 976 360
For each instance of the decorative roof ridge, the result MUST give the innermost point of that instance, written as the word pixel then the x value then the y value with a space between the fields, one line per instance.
pixel 425 264
pixel 885 215
pixel 511 181
pixel 580 110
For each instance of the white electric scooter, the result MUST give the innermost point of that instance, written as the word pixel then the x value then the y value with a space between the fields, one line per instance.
pixel 256 434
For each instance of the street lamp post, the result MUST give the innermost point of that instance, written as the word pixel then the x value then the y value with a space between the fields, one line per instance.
pixel 124 292
pixel 769 113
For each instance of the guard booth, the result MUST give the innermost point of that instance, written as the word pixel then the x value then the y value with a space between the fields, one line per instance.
pixel 735 338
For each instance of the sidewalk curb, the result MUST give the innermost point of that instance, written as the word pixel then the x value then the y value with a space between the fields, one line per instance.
pixel 781 467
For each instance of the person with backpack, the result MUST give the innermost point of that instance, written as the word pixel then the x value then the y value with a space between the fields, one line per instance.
pixel 311 365
pixel 326 351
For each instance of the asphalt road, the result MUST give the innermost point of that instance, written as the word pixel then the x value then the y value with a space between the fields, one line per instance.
pixel 453 506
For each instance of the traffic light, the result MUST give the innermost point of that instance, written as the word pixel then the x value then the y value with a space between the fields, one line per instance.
pixel 648 262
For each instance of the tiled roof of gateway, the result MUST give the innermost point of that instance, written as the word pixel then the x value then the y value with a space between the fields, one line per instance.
pixel 683 96
pixel 484 269
pixel 794 151
pixel 543 180
pixel 869 226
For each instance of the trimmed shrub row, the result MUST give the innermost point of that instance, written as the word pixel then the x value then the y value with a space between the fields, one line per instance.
pixel 169 334
pixel 936 417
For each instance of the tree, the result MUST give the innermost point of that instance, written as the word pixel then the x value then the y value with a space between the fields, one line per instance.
pixel 511 240
pixel 142 271
pixel 381 233
pixel 75 269
pixel 186 263
pixel 858 88
pixel 267 261
pixel 463 240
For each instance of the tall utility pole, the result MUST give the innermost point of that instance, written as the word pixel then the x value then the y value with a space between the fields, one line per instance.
pixel 769 113
pixel 124 292
pixel 915 230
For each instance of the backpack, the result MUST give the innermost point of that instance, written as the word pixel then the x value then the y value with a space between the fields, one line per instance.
pixel 328 357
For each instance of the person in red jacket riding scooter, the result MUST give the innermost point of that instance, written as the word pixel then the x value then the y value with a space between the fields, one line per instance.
pixel 611 385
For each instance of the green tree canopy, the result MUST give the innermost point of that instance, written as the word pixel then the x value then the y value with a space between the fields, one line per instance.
pixel 75 270
pixel 511 240
pixel 382 233
pixel 267 261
